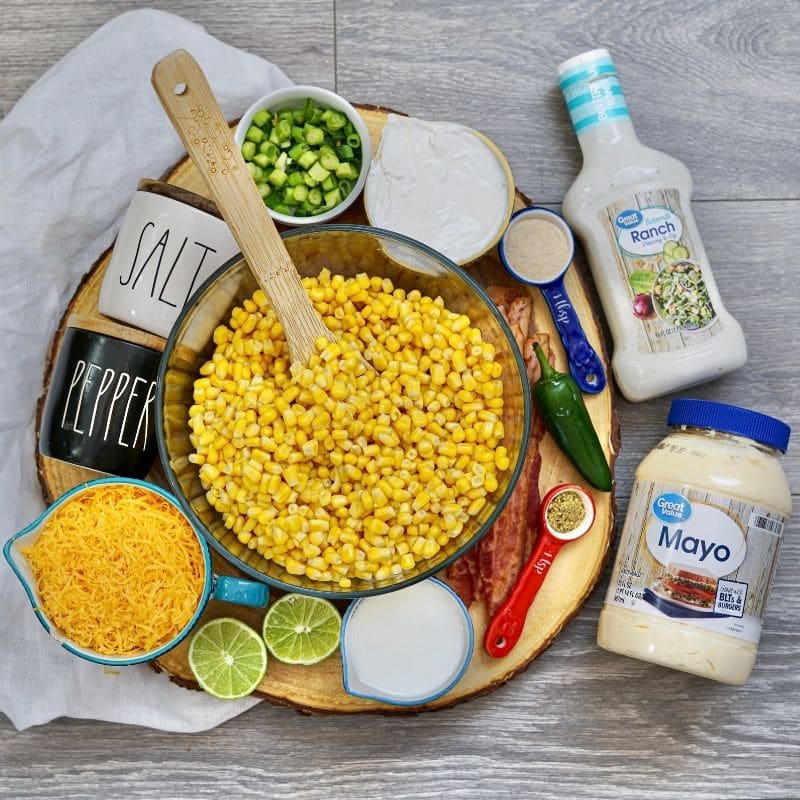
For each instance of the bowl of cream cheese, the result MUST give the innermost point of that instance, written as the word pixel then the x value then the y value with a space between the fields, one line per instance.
pixel 441 183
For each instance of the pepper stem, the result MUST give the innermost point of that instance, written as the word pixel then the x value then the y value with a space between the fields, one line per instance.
pixel 547 369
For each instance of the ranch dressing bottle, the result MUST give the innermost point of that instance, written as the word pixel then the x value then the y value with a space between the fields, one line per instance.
pixel 630 207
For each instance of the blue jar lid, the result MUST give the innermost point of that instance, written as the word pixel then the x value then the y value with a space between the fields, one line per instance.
pixel 730 419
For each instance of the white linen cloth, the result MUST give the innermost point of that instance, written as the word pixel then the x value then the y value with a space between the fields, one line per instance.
pixel 71 153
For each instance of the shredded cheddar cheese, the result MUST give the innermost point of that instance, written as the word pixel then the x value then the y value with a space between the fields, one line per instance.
pixel 118 569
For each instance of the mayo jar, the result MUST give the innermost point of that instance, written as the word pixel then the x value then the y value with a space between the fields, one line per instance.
pixel 700 543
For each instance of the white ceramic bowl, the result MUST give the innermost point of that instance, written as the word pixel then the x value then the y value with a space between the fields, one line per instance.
pixel 294 97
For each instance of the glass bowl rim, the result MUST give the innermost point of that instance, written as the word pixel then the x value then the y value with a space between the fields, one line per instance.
pixel 344 594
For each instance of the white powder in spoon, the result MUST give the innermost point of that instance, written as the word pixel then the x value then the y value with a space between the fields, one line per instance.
pixel 536 249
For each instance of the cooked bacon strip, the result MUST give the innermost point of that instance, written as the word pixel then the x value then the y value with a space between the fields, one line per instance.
pixel 500 552
pixel 459 576
pixel 519 316
pixel 537 432
pixel 491 568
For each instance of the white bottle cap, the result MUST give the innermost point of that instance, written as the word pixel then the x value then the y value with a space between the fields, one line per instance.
pixel 589 57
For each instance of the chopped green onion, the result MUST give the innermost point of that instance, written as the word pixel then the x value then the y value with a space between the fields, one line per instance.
pixel 333 198
pixel 277 177
pixel 346 171
pixel 284 129
pixel 336 121
pixel 261 118
pixel 304 160
pixel 345 152
pixel 314 136
pixel 328 159
pixel 256 173
pixel 318 172
pixel 269 150
pixel 254 134
pixel 298 150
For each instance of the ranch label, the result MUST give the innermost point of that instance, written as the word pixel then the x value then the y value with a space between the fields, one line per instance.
pixel 659 265
pixel 100 407
pixel 699 558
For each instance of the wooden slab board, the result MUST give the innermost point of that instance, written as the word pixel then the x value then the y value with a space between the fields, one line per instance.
pixel 319 689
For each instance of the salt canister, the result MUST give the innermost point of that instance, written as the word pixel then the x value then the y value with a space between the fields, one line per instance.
pixel 170 241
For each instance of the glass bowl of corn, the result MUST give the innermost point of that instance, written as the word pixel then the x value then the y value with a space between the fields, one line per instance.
pixel 375 465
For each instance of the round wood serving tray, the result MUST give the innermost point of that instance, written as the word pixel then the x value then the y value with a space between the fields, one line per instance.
pixel 572 577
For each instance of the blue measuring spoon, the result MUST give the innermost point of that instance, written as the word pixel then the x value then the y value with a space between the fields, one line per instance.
pixel 585 365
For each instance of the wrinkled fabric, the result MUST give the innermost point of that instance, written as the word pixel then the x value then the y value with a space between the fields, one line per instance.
pixel 71 153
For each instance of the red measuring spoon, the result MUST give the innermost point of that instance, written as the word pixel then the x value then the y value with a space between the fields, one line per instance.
pixel 506 626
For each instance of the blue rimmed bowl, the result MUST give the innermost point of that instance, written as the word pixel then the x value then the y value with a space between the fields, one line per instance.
pixel 217 587
pixel 347 250
pixel 409 648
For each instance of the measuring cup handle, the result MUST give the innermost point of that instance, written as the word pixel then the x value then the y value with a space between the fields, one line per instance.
pixel 241 592
pixel 584 364
pixel 506 625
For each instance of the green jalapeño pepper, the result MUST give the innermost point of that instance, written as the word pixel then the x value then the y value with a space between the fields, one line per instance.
pixel 565 416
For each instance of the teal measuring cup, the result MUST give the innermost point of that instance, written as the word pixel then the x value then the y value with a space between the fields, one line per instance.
pixel 216 587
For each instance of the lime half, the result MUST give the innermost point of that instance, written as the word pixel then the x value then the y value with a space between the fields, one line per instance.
pixel 228 658
pixel 302 630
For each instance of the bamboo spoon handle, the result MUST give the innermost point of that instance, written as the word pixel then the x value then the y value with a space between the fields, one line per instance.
pixel 192 108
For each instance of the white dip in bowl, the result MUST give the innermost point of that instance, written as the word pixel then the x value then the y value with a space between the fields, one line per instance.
pixel 407 647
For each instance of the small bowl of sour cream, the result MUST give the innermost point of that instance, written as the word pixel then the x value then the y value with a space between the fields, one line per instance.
pixel 408 647
pixel 441 183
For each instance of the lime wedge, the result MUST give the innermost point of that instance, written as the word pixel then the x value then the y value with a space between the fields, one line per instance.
pixel 228 658
pixel 302 630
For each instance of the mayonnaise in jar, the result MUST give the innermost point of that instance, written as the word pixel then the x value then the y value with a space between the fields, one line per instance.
pixel 700 543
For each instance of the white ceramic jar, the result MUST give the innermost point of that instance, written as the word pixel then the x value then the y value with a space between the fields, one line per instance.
pixel 700 543
pixel 171 240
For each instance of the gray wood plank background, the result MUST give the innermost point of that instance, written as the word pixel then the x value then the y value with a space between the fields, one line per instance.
pixel 712 83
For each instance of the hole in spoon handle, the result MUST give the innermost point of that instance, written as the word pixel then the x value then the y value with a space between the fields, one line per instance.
pixel 503 632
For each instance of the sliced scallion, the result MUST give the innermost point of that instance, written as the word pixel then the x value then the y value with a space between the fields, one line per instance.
pixel 305 160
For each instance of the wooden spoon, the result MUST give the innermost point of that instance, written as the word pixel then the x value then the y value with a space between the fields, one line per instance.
pixel 192 108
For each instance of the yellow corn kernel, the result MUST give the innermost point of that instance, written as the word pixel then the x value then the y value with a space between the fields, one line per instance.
pixel 294 567
pixel 430 548
pixel 476 505
pixel 407 562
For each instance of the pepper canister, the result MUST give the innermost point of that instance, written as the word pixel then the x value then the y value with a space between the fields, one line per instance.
pixel 99 412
